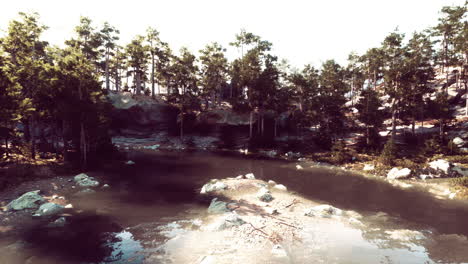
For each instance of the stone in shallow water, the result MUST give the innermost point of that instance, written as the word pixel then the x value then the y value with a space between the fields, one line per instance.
pixel 88 182
pixel 324 210
pixel 49 209
pixel 29 200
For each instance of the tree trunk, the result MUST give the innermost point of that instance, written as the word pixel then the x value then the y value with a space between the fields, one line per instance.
pixel 84 161
pixel 107 70
pixel 32 137
pixel 394 112
pixel 181 126
pixel 152 75
pixel 251 124
pixel 263 125
pixel 65 142
pixel 275 131
pixel 441 129
pixel 138 82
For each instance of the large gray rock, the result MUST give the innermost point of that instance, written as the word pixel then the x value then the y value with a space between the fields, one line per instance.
pixel 461 171
pixel 85 181
pixel 396 173
pixel 264 195
pixel 441 165
pixel 458 141
pixel 140 115
pixel 218 207
pixel 88 182
pixel 225 117
pixel 230 220
pixel 49 209
pixel 324 210
pixel 213 186
pixel 29 200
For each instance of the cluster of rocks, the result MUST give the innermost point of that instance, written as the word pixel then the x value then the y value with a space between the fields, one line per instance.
pixel 33 200
pixel 436 169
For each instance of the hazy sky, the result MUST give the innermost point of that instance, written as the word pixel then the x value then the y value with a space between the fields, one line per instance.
pixel 301 31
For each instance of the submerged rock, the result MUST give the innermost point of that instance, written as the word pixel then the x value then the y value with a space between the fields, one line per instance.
pixel 396 173
pixel 213 186
pixel 130 162
pixel 324 210
pixel 29 200
pixel 49 209
pixel 264 195
pixel 218 207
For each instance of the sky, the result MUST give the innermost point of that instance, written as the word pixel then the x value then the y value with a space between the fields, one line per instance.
pixel 302 31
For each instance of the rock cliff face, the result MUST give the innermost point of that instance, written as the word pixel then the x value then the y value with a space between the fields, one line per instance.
pixel 141 116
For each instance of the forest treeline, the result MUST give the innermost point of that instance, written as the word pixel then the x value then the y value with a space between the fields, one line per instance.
pixel 65 88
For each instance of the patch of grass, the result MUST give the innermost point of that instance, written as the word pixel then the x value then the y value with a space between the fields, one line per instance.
pixel 457 159
pixel 463 181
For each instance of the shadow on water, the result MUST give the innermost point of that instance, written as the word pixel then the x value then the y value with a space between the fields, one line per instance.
pixel 178 178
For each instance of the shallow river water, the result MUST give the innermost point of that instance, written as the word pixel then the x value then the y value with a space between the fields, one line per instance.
pixel 158 198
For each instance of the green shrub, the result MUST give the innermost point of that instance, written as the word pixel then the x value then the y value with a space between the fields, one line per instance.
pixel 433 146
pixel 339 153
pixel 389 153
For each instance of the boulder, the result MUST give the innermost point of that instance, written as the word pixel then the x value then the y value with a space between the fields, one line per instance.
pixel 228 221
pixel 88 182
pixel 460 170
pixel 271 182
pixel 49 209
pixel 440 165
pixel 264 195
pixel 213 186
pixel 29 200
pixel 80 177
pixel 458 141
pixel 396 173
pixel 240 177
pixel 299 167
pixel 280 187
pixel 250 176
pixel 218 207
pixel 368 167
pixel 130 162
pixel 324 210
pixel 59 222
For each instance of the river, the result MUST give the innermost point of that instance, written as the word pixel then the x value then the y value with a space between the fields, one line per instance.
pixel 157 199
